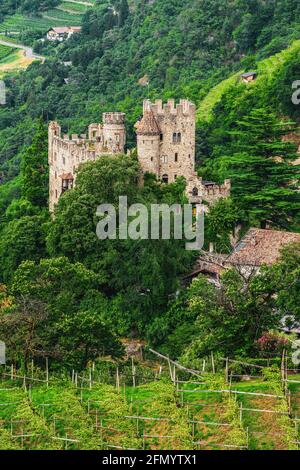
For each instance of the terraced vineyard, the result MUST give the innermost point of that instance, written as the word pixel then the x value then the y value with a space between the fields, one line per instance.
pixel 266 68
pixel 5 51
pixel 204 412
pixel 68 13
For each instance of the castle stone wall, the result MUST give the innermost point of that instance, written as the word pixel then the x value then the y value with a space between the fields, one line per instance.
pixel 66 154
pixel 166 142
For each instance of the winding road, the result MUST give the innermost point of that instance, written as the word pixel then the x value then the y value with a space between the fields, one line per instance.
pixel 28 50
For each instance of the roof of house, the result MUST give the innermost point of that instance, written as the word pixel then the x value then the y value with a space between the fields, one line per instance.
pixel 65 29
pixel 260 247
pixel 148 124
pixel 60 30
pixel 249 74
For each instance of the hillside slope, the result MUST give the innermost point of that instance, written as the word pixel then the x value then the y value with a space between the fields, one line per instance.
pixel 184 47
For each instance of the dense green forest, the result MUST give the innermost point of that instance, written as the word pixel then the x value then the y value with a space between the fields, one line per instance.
pixel 185 48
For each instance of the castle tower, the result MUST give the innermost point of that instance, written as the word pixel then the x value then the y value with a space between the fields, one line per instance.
pixel 114 132
pixel 148 141
pixel 54 133
pixel 172 146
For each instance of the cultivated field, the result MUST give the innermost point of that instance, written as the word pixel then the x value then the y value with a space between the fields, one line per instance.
pixel 151 406
pixel 68 13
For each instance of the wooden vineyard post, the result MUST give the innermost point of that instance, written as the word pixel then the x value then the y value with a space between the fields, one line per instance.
pixel 12 372
pixel 90 379
pixel 137 426
pixel 241 413
pixel 133 373
pixel 170 369
pixel 76 379
pixel 101 431
pixel 118 380
pixel 227 371
pixel 47 372
pixel 282 365
pixel 213 363
pixel 204 364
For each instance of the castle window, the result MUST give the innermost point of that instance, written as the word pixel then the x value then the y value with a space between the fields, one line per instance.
pixel 165 179
pixel 94 134
pixel 164 159
pixel 56 194
pixel 55 175
pixel 176 157
pixel 177 138
pixel 195 192
pixel 64 160
pixel 161 137
pixel 175 177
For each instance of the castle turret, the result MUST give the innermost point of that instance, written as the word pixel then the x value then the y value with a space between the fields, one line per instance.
pixel 114 132
pixel 167 134
pixel 148 141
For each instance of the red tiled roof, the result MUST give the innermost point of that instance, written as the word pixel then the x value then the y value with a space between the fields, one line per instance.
pixel 260 247
pixel 65 29
pixel 148 124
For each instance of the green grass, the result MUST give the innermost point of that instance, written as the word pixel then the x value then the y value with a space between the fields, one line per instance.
pixel 100 418
pixel 74 7
pixel 20 23
pixel 265 68
pixel 5 52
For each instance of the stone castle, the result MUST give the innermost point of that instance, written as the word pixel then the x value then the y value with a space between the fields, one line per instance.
pixel 166 137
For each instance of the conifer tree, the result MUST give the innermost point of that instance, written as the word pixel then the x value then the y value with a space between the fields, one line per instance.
pixel 34 169
pixel 263 169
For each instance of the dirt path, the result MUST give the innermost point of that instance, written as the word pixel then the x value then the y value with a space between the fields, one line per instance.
pixel 19 61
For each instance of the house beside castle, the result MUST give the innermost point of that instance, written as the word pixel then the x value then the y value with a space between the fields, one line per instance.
pixel 166 144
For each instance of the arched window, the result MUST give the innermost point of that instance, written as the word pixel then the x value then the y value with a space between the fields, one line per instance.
pixel 165 179
pixel 195 192
pixel 176 137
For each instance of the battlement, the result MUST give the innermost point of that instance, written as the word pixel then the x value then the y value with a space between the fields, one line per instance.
pixel 113 118
pixel 212 192
pixel 183 108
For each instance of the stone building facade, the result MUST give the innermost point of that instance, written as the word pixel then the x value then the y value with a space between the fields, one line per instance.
pixel 166 144
pixel 66 153
pixel 166 141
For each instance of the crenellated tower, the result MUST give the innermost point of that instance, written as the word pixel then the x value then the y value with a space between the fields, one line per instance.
pixel 67 153
pixel 166 137
pixel 166 146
